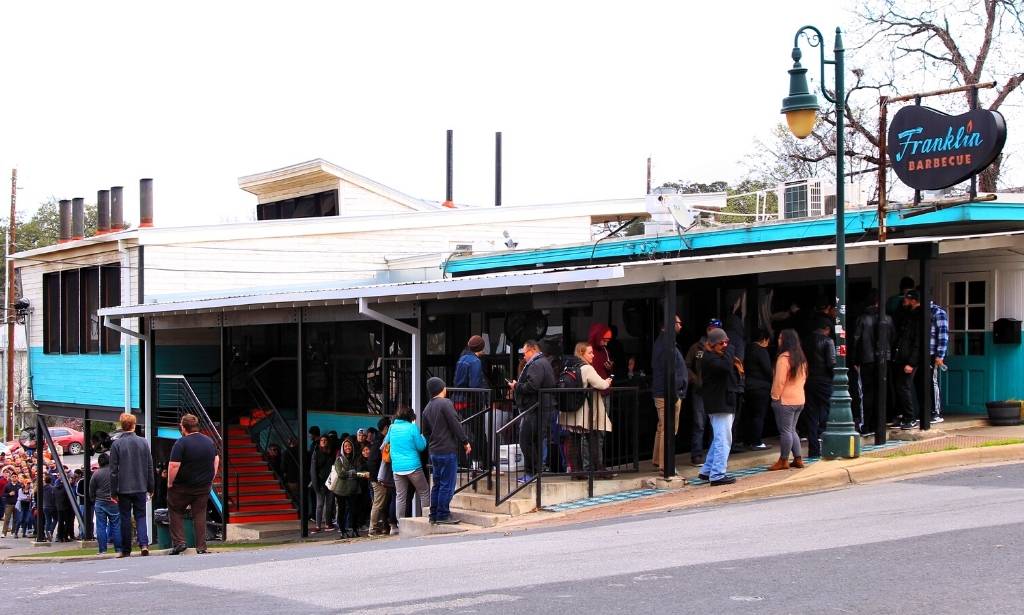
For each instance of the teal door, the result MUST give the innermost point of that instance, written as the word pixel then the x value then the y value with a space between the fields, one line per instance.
pixel 967 384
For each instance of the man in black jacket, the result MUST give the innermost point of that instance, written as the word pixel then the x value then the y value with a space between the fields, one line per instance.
pixel 445 436
pixel 907 358
pixel 537 374
pixel 720 379
pixel 869 352
pixel 757 389
pixel 821 361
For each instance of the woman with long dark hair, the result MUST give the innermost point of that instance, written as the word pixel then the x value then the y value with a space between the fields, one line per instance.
pixel 788 397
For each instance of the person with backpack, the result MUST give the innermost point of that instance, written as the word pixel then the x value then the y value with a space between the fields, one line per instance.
pixel 582 412
pixel 381 480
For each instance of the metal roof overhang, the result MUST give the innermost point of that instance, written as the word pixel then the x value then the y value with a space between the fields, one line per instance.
pixel 475 286
pixel 574 278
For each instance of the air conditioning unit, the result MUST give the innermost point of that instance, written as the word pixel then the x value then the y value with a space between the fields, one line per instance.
pixel 806 198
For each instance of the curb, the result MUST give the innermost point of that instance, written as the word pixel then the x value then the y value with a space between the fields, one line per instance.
pixel 864 470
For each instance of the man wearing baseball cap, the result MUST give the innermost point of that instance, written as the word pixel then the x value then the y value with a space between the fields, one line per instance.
pixel 698 417
pixel 718 379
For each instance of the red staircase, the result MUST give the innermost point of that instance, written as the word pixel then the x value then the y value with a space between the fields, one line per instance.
pixel 254 494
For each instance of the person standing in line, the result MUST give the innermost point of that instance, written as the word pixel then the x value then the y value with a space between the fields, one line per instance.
pixel 719 378
pixel 445 437
pixel 190 472
pixel 346 489
pixel 65 512
pixel 51 516
pixel 938 343
pixel 787 395
pixel 319 469
pixel 757 389
pixel 406 445
pixel 24 520
pixel 869 353
pixel 469 374
pixel 907 359
pixel 698 417
pixel 108 519
pixel 381 480
pixel 9 494
pixel 132 480
pixel 537 374
pixel 589 424
pixel 821 361
pixel 662 346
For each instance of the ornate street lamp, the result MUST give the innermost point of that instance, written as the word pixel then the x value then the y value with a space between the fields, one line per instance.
pixel 801 108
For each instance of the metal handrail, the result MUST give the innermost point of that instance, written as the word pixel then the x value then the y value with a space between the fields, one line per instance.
pixel 483 398
pixel 41 428
pixel 187 399
pixel 496 451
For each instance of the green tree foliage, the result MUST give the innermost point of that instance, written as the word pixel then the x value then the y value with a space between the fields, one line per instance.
pixel 42 229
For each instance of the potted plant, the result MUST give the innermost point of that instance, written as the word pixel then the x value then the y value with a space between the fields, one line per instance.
pixel 1006 412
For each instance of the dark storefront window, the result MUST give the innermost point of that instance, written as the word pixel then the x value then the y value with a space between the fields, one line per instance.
pixel 51 312
pixel 70 312
pixel 90 302
pixel 110 296
pixel 317 205
pixel 71 300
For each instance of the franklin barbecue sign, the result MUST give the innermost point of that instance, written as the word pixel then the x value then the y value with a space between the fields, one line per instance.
pixel 929 149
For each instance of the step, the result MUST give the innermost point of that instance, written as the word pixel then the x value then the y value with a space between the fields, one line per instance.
pixel 272 507
pixel 263 517
pixel 253 470
pixel 479 519
pixel 245 488
pixel 248 463
pixel 262 530
pixel 415 527
pixel 484 503
pixel 262 498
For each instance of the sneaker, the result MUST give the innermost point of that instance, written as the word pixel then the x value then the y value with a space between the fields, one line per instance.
pixel 448 521
pixel 525 478
pixel 177 550
pixel 702 476
pixel 910 425
pixel 144 551
pixel 725 480
pixel 758 447
pixel 937 419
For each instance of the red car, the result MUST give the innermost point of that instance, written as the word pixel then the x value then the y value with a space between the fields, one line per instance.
pixel 71 440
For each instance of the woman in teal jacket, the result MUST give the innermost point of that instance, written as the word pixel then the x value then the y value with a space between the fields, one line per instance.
pixel 406 443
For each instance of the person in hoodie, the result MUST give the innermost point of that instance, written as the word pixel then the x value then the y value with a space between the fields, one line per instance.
pixel 349 468
pixel 469 374
pixel 698 417
pixel 319 470
pixel 757 389
pixel 445 437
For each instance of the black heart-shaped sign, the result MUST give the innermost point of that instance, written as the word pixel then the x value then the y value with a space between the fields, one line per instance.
pixel 930 149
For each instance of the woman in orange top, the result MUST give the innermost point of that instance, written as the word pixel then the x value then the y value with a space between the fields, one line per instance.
pixel 788 397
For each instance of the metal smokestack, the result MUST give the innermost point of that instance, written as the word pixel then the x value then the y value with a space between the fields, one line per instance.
pixel 448 176
pixel 145 202
pixel 116 208
pixel 102 212
pixel 65 221
pixel 497 169
pixel 77 218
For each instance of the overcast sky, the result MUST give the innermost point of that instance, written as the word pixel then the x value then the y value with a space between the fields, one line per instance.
pixel 196 94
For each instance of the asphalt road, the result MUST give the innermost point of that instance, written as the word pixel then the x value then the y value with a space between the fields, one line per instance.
pixel 950 543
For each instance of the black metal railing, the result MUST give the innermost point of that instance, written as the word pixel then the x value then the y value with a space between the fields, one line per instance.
pixel 176 397
pixel 273 430
pixel 394 389
pixel 475 412
pixel 583 433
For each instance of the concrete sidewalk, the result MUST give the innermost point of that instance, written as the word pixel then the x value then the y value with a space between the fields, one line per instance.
pixel 956 443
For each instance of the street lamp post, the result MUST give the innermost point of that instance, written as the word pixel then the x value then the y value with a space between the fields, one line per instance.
pixel 801 107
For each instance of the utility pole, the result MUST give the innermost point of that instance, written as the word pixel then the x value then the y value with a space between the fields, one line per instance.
pixel 9 315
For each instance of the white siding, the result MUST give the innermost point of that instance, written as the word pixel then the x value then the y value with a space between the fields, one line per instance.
pixel 1010 292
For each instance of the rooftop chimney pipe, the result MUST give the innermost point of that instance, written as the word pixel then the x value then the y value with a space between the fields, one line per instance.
pixel 145 202
pixel 116 208
pixel 102 212
pixel 65 221
pixel 497 169
pixel 77 219
pixel 448 177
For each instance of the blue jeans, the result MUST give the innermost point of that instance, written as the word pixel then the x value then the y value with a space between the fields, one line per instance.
pixel 718 453
pixel 446 468
pixel 132 505
pixel 50 520
pixel 108 525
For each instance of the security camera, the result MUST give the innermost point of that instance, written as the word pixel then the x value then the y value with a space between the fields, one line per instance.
pixel 22 304
pixel 509 242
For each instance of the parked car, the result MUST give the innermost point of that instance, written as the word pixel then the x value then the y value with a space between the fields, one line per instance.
pixel 70 440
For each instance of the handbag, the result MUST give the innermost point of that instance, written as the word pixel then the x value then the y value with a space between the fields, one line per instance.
pixel 332 480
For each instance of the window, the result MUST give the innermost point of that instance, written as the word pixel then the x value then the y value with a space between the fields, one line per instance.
pixel 317 205
pixel 71 301
pixel 51 312
pixel 90 296
pixel 70 312
pixel 110 296
pixel 967 317
pixel 795 205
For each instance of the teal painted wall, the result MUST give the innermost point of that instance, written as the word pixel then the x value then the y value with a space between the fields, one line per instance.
pixel 1007 368
pixel 92 379
pixel 341 423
